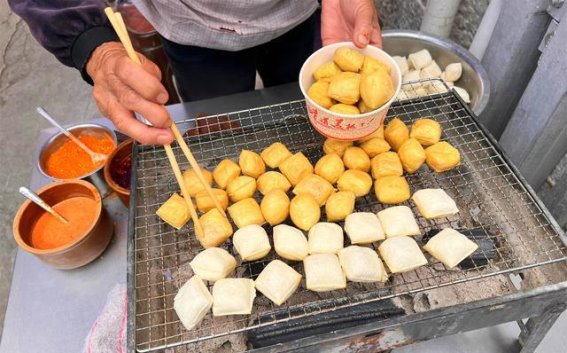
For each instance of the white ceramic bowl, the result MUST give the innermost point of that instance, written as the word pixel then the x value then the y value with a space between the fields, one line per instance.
pixel 344 126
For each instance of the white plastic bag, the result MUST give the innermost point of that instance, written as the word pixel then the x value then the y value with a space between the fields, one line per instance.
pixel 108 332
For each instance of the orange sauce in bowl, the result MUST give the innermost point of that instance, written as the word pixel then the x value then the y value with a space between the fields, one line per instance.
pixel 70 161
pixel 49 232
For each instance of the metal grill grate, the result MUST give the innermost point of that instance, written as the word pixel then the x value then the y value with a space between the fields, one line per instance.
pixel 488 192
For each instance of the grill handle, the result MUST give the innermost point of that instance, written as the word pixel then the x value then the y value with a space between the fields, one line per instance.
pixel 322 323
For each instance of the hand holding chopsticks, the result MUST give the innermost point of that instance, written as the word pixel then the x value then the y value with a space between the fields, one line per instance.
pixel 120 28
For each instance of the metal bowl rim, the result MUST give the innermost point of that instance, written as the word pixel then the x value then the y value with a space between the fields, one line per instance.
pixel 70 128
pixel 457 49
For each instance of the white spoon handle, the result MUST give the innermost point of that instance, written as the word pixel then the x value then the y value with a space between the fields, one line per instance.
pixel 49 118
pixel 32 196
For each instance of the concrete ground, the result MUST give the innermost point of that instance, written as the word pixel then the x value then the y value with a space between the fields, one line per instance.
pixel 30 77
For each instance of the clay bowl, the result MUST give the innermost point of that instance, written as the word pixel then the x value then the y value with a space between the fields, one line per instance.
pixel 80 251
pixel 124 150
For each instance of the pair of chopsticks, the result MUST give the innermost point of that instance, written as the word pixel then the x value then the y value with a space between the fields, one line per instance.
pixel 118 24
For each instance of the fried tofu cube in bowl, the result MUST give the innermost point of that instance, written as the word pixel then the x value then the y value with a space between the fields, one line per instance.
pixel 342 67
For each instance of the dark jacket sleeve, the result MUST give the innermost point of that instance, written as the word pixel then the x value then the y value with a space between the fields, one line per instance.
pixel 69 29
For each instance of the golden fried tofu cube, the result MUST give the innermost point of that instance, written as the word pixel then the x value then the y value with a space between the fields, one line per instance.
pixel 386 164
pixel 225 171
pixel 356 158
pixel 216 229
pixel 376 89
pixel 340 205
pixel 345 109
pixel 362 108
pixel 205 203
pixel 251 164
pixel 246 212
pixel 356 181
pixel 174 211
pixel 330 167
pixel 274 154
pixel 326 71
pixel 442 156
pixel 315 186
pixel 272 180
pixel 412 155
pixel 336 146
pixel 348 59
pixel 370 65
pixel 275 207
pixel 396 133
pixel 375 146
pixel 304 211
pixel 194 185
pixel 319 93
pixel 426 131
pixel 345 88
pixel 391 190
pixel 241 188
pixel 296 167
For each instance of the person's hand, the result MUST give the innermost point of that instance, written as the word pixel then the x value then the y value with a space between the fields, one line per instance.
pixel 350 21
pixel 122 87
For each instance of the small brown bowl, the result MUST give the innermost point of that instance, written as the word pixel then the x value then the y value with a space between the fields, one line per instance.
pixel 124 150
pixel 81 250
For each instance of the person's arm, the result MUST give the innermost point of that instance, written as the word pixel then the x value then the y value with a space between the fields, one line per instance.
pixel 78 34
pixel 70 30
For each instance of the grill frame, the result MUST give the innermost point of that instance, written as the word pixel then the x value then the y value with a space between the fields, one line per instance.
pixel 446 96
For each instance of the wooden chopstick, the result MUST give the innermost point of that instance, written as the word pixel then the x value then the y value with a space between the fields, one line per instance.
pixel 195 166
pixel 184 192
pixel 118 23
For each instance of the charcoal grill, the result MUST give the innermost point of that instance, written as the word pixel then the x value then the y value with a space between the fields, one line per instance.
pixel 492 197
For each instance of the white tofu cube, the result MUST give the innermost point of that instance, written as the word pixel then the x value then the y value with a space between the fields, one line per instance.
pixel 450 247
pixel 323 272
pixel 401 254
pixel 192 302
pixel 397 221
pixel 278 281
pixel 434 203
pixel 213 264
pixel 251 242
pixel 363 228
pixel 361 264
pixel 233 296
pixel 290 243
pixel 325 238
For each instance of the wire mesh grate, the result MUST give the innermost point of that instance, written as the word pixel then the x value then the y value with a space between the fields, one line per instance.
pixel 489 194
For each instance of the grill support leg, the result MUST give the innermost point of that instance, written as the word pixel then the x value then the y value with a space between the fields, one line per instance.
pixel 535 329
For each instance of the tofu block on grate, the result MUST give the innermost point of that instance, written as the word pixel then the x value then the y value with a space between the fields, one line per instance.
pixel 401 254
pixel 233 296
pixel 398 221
pixel 278 281
pixel 323 272
pixel 192 302
pixel 450 247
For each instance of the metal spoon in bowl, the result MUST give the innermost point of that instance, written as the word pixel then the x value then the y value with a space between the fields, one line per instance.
pixel 96 157
pixel 33 197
